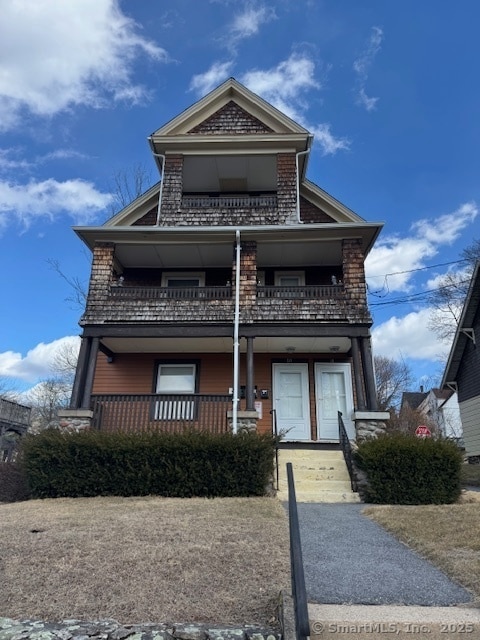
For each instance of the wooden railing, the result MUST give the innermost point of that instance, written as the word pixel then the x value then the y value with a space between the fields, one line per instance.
pixel 170 293
pixel 229 202
pixel 12 413
pixel 311 292
pixel 171 413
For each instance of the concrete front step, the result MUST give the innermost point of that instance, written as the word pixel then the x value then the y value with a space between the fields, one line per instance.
pixel 321 495
pixel 378 622
pixel 320 476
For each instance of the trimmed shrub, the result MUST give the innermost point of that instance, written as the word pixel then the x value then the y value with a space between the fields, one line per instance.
pixel 13 482
pixel 404 469
pixel 91 463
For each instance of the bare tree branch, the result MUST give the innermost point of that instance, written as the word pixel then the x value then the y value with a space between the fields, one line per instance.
pixel 392 377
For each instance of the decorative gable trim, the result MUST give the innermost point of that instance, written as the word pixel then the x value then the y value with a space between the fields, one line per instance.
pixel 136 210
pixel 229 91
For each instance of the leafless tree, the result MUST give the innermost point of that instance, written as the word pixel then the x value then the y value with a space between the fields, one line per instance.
pixel 447 300
pixel 46 398
pixel 8 390
pixel 393 377
pixel 64 362
pixel 127 185
pixel 407 420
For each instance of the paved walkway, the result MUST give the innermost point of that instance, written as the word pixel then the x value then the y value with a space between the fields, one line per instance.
pixel 349 559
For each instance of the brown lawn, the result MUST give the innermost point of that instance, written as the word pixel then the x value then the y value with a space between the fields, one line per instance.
pixel 144 559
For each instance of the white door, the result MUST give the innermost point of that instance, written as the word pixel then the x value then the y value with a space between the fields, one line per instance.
pixel 333 387
pixel 291 400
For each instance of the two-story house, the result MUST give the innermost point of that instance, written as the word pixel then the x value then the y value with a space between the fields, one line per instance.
pixel 231 288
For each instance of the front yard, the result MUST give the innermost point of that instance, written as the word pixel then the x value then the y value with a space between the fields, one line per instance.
pixel 144 559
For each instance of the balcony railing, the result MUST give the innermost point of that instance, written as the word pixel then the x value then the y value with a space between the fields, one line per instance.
pixel 229 202
pixel 312 292
pixel 14 414
pixel 170 413
pixel 171 293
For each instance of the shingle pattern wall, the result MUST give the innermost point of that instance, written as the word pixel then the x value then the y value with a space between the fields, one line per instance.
pixel 286 188
pixel 354 279
pixel 149 219
pixel 309 213
pixel 229 120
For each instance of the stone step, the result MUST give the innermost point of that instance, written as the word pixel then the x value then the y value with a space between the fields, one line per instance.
pixel 321 495
pixel 320 476
pixel 314 485
pixel 378 622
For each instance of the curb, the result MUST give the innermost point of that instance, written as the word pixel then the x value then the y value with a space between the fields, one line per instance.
pixel 375 622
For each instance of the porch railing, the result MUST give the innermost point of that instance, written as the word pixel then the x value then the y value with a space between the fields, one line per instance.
pixel 311 292
pixel 171 413
pixel 347 450
pixel 124 292
pixel 14 414
pixel 229 202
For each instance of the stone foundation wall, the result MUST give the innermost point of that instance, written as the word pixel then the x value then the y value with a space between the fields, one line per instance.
pixel 112 630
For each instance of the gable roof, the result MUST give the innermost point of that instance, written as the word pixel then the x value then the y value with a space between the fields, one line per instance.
pixel 413 398
pixel 230 90
pixel 470 308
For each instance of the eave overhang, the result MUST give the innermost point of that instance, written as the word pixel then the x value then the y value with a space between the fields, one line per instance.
pixel 470 308
pixel 143 235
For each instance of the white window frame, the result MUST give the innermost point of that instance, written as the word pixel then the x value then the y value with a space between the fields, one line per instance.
pixel 290 274
pixel 175 409
pixel 183 275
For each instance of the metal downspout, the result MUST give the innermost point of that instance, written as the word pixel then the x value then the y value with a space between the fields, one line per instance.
pixel 236 345
pixel 162 156
pixel 300 153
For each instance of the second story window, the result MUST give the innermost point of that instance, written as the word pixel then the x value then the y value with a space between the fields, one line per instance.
pixel 183 279
pixel 289 278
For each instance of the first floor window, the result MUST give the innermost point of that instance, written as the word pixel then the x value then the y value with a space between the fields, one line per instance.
pixel 174 381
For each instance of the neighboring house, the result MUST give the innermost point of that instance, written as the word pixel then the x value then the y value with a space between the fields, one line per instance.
pixel 439 408
pixel 233 275
pixel 462 372
pixel 14 423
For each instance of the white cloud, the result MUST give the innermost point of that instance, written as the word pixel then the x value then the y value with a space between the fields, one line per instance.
pixel 408 337
pixel 248 23
pixel 401 255
pixel 59 54
pixel 362 65
pixel 285 87
pixel 37 363
pixel 24 203
pixel 328 142
pixel 203 83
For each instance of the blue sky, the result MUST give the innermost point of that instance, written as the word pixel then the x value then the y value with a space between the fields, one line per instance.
pixel 390 90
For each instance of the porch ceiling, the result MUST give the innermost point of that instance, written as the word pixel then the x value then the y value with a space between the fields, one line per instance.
pixel 269 254
pixel 286 346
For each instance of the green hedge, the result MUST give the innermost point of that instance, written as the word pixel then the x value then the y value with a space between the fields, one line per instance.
pixel 404 469
pixel 13 482
pixel 92 463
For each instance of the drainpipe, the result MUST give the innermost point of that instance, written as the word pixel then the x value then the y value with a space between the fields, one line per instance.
pixel 300 153
pixel 236 323
pixel 162 156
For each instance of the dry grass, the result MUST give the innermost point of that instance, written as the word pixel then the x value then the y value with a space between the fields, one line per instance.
pixel 447 535
pixel 143 559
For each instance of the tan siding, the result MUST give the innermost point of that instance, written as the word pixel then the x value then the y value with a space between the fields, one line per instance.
pixel 470 415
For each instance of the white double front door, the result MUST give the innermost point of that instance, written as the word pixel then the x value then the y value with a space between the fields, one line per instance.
pixel 291 399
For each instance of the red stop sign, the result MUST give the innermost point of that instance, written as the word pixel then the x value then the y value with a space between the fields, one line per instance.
pixel 423 432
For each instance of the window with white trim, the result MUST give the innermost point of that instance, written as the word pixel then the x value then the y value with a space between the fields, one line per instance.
pixel 289 278
pixel 175 380
pixel 183 279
